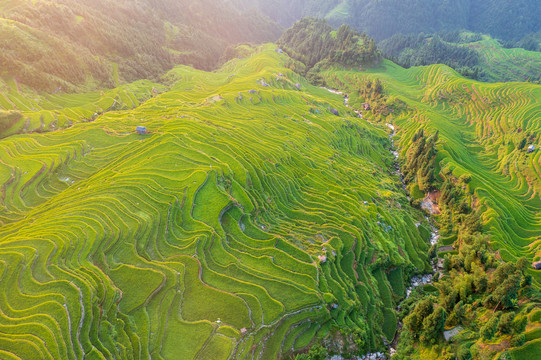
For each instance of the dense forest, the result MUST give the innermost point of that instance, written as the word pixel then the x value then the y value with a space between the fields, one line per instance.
pixel 419 166
pixel 75 44
pixel 530 42
pixel 313 42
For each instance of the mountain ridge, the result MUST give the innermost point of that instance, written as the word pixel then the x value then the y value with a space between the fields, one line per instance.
pixel 383 18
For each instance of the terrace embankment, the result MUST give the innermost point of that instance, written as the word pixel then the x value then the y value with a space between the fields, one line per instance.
pixel 248 220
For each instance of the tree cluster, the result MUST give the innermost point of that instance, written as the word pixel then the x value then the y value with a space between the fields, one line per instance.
pixel 426 322
pixel 419 165
pixel 475 289
pixel 478 292
pixel 530 42
pixel 456 212
pixel 312 41
pixel 316 352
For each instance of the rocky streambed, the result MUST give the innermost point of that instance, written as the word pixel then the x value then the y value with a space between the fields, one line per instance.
pixel 415 281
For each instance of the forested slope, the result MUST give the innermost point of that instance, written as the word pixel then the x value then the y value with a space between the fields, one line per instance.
pixel 473 55
pixel 79 45
pixel 74 45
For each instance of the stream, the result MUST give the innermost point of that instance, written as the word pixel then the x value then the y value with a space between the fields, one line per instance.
pixel 415 281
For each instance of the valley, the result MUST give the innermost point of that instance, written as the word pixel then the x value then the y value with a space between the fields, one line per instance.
pixel 482 127
pixel 475 123
pixel 179 181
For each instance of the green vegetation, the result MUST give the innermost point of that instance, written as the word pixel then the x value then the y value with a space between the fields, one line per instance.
pixel 488 201
pixel 23 110
pixel 248 221
pixel 312 41
pixel 441 48
pixel 250 212
pixel 74 45
pixel 479 295
pixel 8 119
pixel 501 64
pixel 473 55
pixel 483 134
pixel 504 19
pixel 420 163
pixel 530 42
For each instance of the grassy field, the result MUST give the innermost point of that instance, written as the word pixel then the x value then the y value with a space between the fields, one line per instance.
pixel 248 221
pixel 484 131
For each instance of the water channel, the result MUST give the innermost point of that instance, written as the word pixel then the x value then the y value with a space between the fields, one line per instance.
pixel 415 281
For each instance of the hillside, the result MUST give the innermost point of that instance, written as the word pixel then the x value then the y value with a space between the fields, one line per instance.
pixel 473 55
pixel 248 220
pixel 79 46
pixel 501 64
pixel 484 130
pixel 75 46
pixel 487 191
pixel 503 19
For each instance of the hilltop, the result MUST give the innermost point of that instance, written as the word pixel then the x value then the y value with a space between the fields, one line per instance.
pixel 255 214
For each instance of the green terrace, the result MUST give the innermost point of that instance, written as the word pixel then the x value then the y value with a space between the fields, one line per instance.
pixel 49 112
pixel 485 131
pixel 506 64
pixel 245 220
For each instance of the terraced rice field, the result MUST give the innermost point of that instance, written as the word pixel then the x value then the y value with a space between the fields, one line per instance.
pixel 46 112
pixel 481 128
pixel 246 222
pixel 507 64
